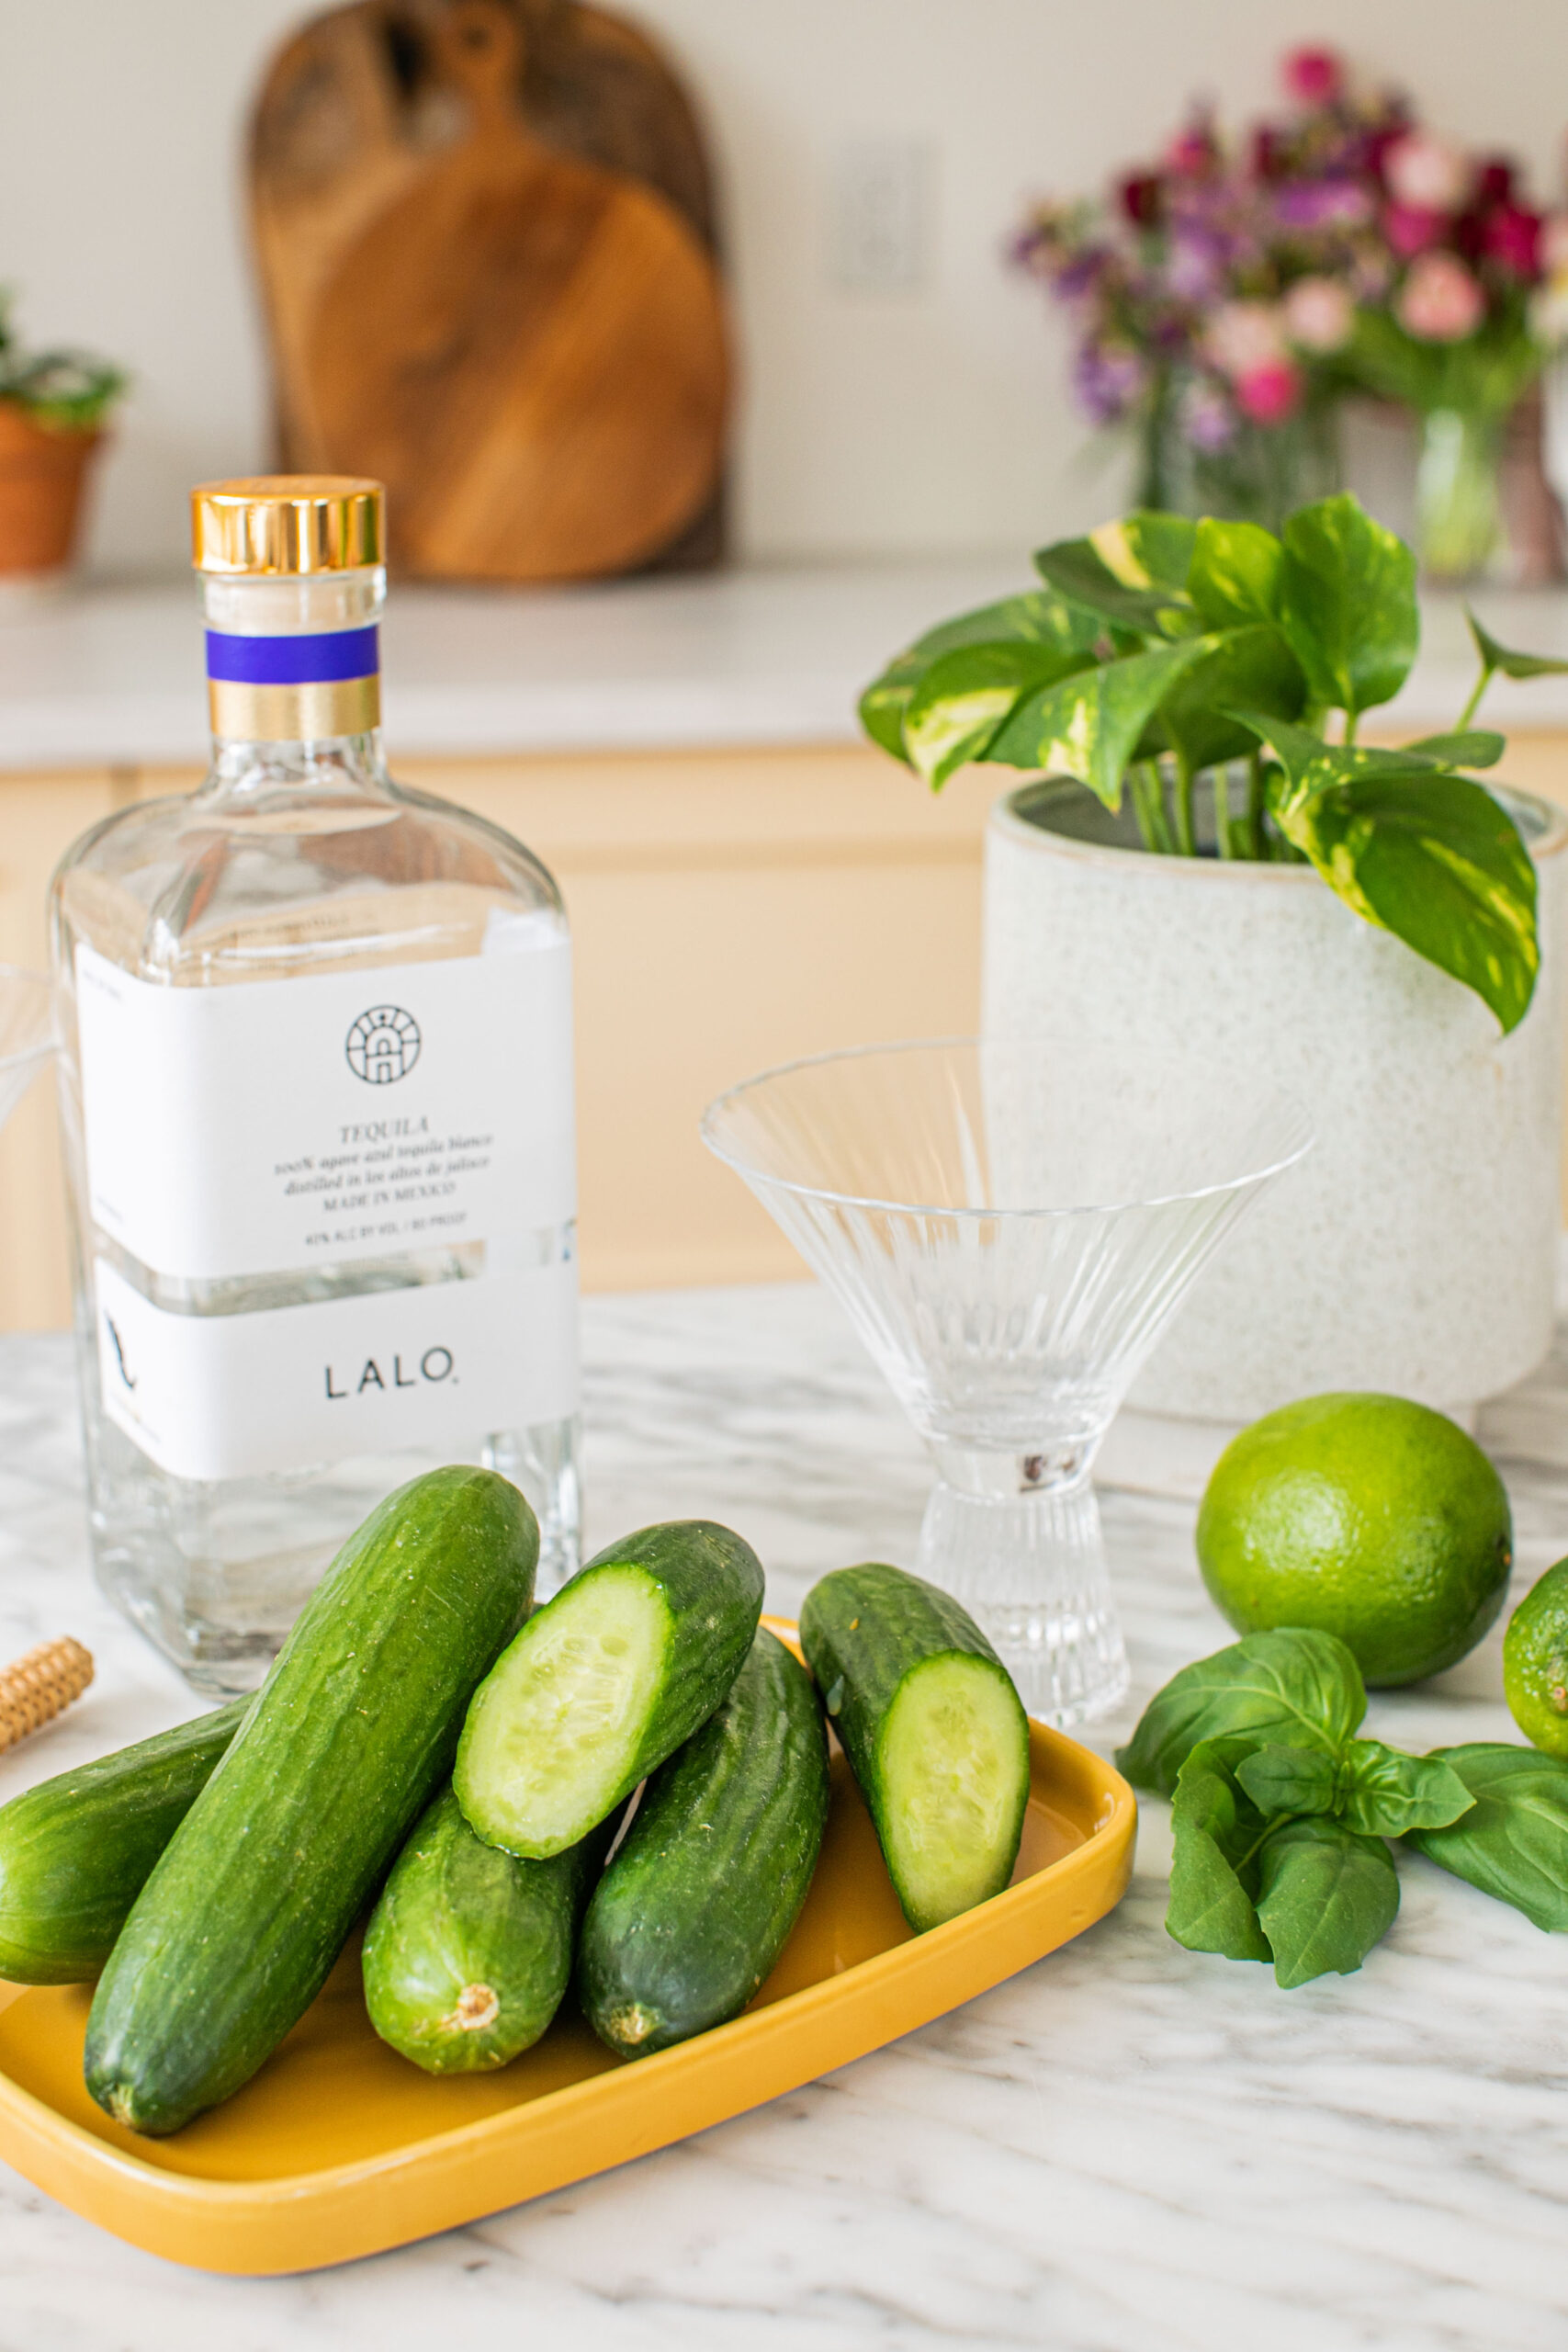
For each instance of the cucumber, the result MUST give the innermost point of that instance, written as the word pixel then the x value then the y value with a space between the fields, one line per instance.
pixel 235 1932
pixel 75 1852
pixel 469 1951
pixel 935 1733
pixel 699 1901
pixel 605 1682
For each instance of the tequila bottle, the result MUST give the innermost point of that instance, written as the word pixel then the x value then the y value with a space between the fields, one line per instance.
pixel 317 1103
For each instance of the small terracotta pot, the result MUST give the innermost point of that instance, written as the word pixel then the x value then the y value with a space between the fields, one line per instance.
pixel 43 471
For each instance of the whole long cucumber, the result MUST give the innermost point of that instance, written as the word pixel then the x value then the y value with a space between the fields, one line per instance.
pixel 76 1851
pixel 934 1730
pixel 468 1952
pixel 710 1878
pixel 237 1929
pixel 605 1682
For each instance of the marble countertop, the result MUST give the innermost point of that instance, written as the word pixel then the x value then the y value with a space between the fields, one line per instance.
pixel 1126 2147
pixel 113 674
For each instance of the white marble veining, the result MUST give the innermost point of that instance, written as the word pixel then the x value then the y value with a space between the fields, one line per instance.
pixel 1128 2148
pixel 113 673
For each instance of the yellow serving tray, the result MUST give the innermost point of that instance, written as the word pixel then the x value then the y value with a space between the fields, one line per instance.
pixel 340 2148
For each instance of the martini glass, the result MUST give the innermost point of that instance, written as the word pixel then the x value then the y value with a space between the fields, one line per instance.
pixel 27 1032
pixel 1010 1224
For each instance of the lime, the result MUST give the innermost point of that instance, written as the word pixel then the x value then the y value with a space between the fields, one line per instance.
pixel 1363 1516
pixel 1535 1662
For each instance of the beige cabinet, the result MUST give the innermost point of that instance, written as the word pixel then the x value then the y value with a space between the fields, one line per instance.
pixel 730 910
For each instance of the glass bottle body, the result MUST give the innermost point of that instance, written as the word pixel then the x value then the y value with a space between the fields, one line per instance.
pixel 267 1213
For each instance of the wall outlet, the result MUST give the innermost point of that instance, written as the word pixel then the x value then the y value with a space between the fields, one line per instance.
pixel 883 204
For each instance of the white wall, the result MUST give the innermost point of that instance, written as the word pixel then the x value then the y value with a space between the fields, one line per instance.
pixel 935 419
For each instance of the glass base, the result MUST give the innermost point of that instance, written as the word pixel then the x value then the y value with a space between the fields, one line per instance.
pixel 1030 1570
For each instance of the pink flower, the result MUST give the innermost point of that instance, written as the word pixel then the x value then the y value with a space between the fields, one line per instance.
pixel 1426 173
pixel 1192 153
pixel 1440 301
pixel 1554 244
pixel 1314 77
pixel 1512 236
pixel 1410 229
pixel 1319 314
pixel 1269 393
pixel 1243 337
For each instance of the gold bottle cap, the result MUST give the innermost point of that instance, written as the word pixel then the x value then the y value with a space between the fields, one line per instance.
pixel 288 523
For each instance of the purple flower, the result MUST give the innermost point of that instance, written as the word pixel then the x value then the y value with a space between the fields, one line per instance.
pixel 1194 266
pixel 1322 204
pixel 1081 273
pixel 1107 379
pixel 1208 419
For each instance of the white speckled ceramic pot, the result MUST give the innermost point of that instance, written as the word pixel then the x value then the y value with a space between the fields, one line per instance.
pixel 1415 1249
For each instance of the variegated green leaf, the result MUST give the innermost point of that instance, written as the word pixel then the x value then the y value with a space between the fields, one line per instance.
pixel 965 695
pixel 1347 604
pixel 1089 725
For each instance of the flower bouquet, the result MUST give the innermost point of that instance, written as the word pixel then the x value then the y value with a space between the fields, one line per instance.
pixel 1231 297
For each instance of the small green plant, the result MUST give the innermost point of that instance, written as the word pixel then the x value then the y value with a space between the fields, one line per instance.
pixel 1160 651
pixel 69 391
pixel 1281 1815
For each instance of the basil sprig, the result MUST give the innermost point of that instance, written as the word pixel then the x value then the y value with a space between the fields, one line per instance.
pixel 1280 1812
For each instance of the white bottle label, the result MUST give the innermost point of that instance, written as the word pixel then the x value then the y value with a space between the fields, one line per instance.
pixel 439 1364
pixel 275 1127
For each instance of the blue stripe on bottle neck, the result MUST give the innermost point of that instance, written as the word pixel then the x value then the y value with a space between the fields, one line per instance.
pixel 320 659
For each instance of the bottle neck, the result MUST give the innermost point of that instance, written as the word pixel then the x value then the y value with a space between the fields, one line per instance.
pixel 293 671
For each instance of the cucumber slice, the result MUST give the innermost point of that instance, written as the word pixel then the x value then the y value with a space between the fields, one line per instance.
pixel 605 1682
pixel 949 1751
pixel 554 1732
pixel 935 1733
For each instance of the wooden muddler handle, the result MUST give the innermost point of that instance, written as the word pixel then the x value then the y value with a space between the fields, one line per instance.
pixel 39 1685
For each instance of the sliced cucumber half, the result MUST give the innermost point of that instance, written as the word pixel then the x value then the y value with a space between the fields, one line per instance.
pixel 949 1760
pixel 605 1682
pixel 554 1730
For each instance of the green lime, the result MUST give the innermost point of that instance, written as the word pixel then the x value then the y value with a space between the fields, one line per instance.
pixel 1363 1516
pixel 1535 1662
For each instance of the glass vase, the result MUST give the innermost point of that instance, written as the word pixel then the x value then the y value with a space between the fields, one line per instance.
pixel 1459 526
pixel 1260 475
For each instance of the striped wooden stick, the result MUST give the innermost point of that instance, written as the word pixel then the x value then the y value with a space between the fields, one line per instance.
pixel 39 1685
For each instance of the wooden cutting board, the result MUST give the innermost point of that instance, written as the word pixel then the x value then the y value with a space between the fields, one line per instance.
pixel 525 344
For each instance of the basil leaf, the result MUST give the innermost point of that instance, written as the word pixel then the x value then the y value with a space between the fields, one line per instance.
pixel 1347 604
pixel 1473 746
pixel 1233 578
pixel 1033 618
pixel 1513 665
pixel 1384 1793
pixel 1431 857
pixel 1326 1895
pixel 1251 667
pixel 1217 1832
pixel 1076 569
pixel 1513 1843
pixel 1288 1688
pixel 1289 1780
pixel 967 695
pixel 1147 549
pixel 1089 725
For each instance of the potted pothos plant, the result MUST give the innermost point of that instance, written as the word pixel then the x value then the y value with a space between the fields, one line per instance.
pixel 54 407
pixel 1211 858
